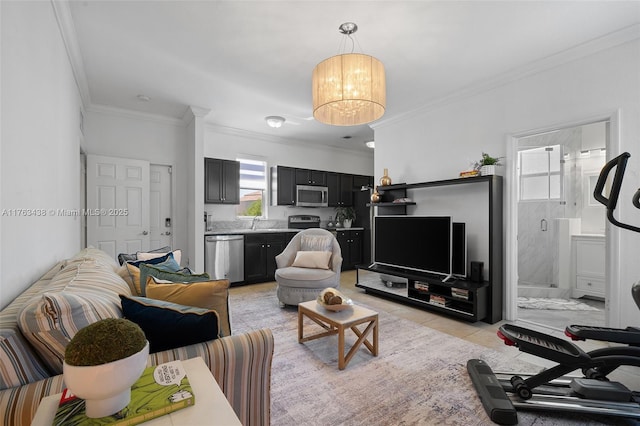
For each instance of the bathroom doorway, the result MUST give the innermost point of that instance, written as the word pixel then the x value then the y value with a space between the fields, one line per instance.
pixel 556 172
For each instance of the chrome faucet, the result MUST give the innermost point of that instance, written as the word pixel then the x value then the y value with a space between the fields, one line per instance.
pixel 253 224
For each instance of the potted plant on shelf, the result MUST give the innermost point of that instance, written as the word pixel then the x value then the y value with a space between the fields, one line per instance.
pixel 101 363
pixel 487 164
pixel 345 215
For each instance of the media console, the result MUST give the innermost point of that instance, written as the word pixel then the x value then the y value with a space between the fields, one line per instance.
pixel 472 301
pixel 460 298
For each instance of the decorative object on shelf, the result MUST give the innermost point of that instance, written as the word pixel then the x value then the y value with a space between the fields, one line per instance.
pixel 487 164
pixel 469 173
pixel 385 180
pixel 348 89
pixel 345 215
pixel 375 196
pixel 102 361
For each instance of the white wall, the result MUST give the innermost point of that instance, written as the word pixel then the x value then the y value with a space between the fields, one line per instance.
pixel 440 141
pixel 156 140
pixel 39 148
pixel 225 145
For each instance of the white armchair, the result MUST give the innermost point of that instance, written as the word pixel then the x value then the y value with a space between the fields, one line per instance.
pixel 301 277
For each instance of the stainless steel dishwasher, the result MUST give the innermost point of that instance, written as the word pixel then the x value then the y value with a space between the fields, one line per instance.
pixel 224 257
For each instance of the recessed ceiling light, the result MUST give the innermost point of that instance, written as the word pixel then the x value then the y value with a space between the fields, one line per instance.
pixel 370 144
pixel 143 98
pixel 274 121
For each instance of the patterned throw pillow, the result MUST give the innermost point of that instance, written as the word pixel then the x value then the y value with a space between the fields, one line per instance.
pixel 169 325
pixel 132 257
pixel 213 295
pixel 51 317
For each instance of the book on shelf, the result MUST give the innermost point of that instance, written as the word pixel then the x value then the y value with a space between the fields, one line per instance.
pixel 160 390
pixel 460 293
pixel 420 286
pixel 438 300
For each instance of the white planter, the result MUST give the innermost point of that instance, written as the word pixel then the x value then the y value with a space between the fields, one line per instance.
pixel 347 223
pixel 106 388
pixel 490 170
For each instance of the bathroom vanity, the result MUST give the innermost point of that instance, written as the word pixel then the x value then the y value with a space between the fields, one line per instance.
pixel 589 261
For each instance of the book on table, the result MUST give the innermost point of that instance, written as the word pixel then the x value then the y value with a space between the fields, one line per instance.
pixel 160 390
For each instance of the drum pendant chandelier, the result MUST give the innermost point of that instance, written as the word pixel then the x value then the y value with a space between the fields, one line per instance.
pixel 348 89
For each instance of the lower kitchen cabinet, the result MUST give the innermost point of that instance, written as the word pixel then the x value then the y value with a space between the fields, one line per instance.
pixel 351 246
pixel 260 251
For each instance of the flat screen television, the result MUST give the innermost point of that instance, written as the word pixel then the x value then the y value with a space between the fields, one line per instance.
pixel 419 243
pixel 459 250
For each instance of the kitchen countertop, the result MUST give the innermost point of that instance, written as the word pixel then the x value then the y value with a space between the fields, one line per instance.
pixel 244 231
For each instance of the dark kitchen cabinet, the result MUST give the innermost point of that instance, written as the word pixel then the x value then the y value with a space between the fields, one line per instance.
pixel 340 189
pixel 260 251
pixel 283 186
pixel 351 247
pixel 221 181
pixel 311 177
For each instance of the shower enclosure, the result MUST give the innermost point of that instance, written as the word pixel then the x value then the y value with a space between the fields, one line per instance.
pixel 554 174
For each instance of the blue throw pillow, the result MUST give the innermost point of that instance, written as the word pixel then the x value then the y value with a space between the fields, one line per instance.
pixel 169 325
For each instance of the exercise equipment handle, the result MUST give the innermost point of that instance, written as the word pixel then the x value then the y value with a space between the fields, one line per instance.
pixel 620 163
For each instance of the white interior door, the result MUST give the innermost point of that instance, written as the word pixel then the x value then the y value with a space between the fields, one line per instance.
pixel 160 220
pixel 117 204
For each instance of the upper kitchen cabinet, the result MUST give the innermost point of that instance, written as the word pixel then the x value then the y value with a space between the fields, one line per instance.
pixel 359 181
pixel 311 177
pixel 340 189
pixel 221 181
pixel 283 186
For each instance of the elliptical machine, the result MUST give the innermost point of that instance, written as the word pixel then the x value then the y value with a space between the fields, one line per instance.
pixel 501 394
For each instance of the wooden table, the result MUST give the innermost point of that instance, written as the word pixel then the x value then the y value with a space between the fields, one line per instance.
pixel 337 323
pixel 211 407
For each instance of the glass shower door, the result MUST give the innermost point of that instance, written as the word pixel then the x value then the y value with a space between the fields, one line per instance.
pixel 540 205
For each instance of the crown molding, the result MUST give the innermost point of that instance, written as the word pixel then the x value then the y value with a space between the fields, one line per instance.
pixel 616 38
pixel 127 113
pixel 69 36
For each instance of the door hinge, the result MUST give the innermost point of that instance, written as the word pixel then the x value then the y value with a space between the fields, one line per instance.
pixel 169 169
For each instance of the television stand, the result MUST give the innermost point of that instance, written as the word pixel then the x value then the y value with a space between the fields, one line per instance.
pixel 459 298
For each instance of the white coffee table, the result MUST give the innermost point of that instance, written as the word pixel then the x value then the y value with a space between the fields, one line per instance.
pixel 337 323
pixel 211 407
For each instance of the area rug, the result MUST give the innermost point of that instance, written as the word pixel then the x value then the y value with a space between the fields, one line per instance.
pixel 419 377
pixel 553 304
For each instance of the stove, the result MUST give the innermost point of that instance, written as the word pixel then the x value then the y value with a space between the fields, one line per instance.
pixel 302 221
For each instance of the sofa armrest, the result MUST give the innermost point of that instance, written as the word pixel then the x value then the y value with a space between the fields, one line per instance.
pixel 18 405
pixel 241 364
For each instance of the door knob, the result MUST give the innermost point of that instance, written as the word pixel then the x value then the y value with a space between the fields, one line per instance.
pixel 167 233
pixel 145 233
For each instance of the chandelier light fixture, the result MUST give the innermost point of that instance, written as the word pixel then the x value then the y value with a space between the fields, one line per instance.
pixel 348 89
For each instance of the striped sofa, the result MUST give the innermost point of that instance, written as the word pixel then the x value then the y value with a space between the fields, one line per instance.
pixel 87 287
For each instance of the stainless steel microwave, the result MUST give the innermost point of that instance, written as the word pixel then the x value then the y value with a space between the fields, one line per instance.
pixel 312 196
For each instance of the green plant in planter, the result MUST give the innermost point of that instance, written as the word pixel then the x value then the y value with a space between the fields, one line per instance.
pixel 487 160
pixel 105 341
pixel 343 213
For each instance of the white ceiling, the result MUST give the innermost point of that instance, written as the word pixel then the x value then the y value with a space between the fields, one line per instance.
pixel 245 60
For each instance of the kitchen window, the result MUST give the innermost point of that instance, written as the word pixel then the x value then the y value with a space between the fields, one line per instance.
pixel 253 184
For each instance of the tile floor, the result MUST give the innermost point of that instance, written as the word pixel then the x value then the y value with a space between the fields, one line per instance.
pixel 480 333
